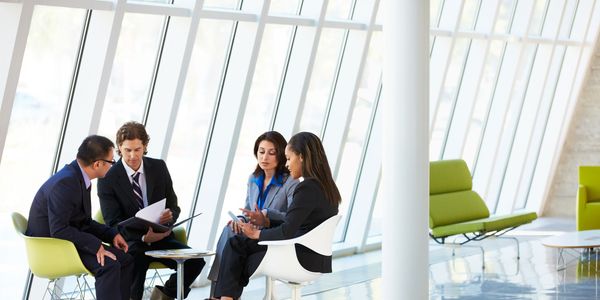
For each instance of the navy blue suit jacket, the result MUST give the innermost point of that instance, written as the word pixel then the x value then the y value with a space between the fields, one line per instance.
pixel 116 194
pixel 62 209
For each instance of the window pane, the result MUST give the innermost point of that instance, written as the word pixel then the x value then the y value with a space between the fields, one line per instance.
pixel 377 217
pixel 505 15
pixel 132 71
pixel 339 9
pixel 35 125
pixel 359 126
pixel 259 111
pixel 230 4
pixel 197 104
pixel 318 94
pixel 284 7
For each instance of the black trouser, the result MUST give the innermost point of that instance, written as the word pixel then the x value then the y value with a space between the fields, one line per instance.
pixel 191 267
pixel 241 257
pixel 113 280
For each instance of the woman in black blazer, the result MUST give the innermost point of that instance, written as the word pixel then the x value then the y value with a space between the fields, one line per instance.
pixel 316 199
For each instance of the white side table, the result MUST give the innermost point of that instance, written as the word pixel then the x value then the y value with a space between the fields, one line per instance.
pixel 180 256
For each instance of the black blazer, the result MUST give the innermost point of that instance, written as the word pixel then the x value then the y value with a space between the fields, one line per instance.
pixel 62 209
pixel 308 210
pixel 116 194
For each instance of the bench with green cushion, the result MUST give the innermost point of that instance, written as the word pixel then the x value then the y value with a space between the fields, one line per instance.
pixel 455 209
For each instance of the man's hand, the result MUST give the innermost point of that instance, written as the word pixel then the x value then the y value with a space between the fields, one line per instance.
pixel 103 253
pixel 119 243
pixel 166 216
pixel 152 236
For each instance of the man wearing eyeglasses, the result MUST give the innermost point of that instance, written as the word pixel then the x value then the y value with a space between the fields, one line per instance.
pixel 62 209
pixel 135 182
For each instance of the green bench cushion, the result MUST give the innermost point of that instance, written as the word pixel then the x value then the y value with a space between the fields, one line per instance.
pixel 456 207
pixel 457 228
pixel 490 224
pixel 508 221
pixel 446 176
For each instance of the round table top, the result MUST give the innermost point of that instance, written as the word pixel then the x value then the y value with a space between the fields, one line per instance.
pixel 179 253
pixel 575 239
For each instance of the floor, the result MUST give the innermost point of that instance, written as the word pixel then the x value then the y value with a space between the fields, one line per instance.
pixel 533 276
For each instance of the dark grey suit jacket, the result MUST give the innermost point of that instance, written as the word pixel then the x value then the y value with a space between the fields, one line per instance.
pixel 116 194
pixel 278 199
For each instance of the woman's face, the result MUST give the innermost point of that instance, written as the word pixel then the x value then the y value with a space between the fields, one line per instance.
pixel 266 156
pixel 293 163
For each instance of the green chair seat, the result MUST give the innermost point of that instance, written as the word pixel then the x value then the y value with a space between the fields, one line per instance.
pixel 457 228
pixel 497 223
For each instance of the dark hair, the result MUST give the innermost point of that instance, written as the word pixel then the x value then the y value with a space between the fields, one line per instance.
pixel 93 148
pixel 279 142
pixel 314 163
pixel 130 131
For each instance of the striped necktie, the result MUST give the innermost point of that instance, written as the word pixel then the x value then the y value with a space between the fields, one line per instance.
pixel 137 190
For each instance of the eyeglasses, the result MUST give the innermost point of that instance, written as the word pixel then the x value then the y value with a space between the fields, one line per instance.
pixel 112 162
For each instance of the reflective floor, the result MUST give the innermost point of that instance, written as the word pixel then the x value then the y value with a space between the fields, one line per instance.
pixel 533 276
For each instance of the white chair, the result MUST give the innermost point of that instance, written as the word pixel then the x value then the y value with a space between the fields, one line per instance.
pixel 280 261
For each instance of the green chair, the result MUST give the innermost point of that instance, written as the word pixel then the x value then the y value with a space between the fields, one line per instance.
pixel 456 210
pixel 52 258
pixel 180 235
pixel 588 198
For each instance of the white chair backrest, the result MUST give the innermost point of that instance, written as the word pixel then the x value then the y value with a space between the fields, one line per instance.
pixel 320 238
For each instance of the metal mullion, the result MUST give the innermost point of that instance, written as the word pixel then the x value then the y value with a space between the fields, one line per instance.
pixel 70 96
pixel 152 84
pixel 491 101
pixel 458 89
pixel 363 155
pixel 445 72
pixel 567 112
pixel 518 119
pixel 482 68
pixel 212 124
pixel 512 86
pixel 439 17
pixel 362 61
pixel 14 71
pixel 540 103
pixel 311 62
pixel 283 78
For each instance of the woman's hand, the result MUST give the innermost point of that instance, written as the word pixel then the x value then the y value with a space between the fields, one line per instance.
pixel 256 216
pixel 250 230
pixel 235 227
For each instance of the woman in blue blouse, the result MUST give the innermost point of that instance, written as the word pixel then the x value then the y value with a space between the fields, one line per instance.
pixel 269 193
pixel 316 199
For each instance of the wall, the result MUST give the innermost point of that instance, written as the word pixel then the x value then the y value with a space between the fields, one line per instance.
pixel 582 146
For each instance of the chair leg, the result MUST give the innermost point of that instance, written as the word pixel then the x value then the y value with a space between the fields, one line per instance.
pixel 296 295
pixel 268 288
pixel 516 241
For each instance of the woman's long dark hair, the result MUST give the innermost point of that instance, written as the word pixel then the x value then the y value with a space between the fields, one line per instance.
pixel 314 163
pixel 279 142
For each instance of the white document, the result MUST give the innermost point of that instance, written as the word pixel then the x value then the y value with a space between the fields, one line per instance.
pixel 152 212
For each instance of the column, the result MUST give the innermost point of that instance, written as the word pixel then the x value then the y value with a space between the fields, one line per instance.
pixel 405 170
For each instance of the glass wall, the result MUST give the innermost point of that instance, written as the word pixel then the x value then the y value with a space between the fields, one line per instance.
pixel 502 74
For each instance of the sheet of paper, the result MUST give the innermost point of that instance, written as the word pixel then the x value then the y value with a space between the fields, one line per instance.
pixel 152 212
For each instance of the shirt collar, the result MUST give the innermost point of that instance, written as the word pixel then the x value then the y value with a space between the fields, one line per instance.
pixel 276 180
pixel 86 178
pixel 130 171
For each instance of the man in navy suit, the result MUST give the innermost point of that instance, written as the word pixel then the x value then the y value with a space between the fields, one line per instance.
pixel 137 181
pixel 62 209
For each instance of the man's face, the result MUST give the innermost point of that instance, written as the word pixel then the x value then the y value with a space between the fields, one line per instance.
pixel 132 152
pixel 103 165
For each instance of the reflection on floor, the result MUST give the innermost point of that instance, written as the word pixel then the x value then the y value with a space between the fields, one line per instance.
pixel 534 276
